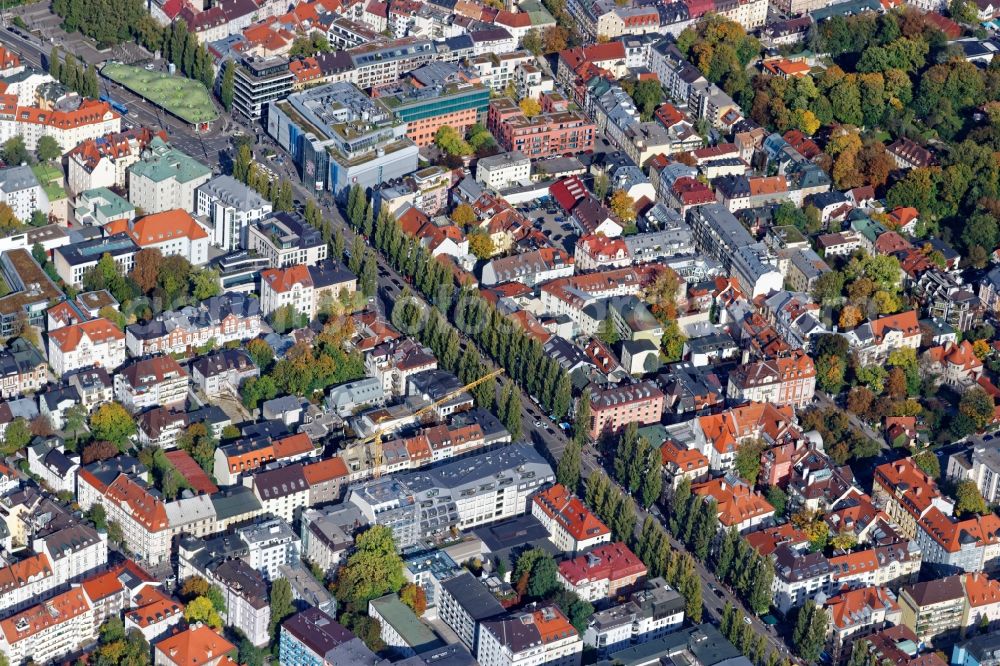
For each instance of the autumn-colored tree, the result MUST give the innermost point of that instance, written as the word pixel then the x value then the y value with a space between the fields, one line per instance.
pixel 555 39
pixel 101 450
pixel 896 383
pixel 981 349
pixel 193 587
pixel 623 206
pixel 146 270
pixel 860 400
pixel 463 215
pixel 413 595
pixel 850 316
pixel 481 245
pixel 530 107
pixel 202 610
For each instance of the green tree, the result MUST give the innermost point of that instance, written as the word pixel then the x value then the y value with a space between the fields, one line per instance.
pixel 568 469
pixel 809 635
pixel 48 149
pixel 241 165
pixel 16 436
pixel 968 499
pixel 55 63
pixel 227 86
pixel 451 142
pixel 281 604
pixel 581 418
pixel 205 283
pixel 535 573
pixel 14 151
pixel 672 343
pixel 777 498
pixel 928 462
pixel 747 461
pixel 113 423
pixel 115 533
pixel 977 405
pixel 652 481
pixel 261 353
pixel 373 569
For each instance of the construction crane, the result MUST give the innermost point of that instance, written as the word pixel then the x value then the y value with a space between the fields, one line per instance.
pixel 376 438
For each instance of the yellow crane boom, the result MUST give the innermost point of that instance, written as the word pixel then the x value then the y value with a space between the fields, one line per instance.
pixel 376 437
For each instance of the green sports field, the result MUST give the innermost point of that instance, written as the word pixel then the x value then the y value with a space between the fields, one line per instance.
pixel 182 97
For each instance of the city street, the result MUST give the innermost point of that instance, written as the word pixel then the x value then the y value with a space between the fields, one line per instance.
pixel 548 436
pixel 205 146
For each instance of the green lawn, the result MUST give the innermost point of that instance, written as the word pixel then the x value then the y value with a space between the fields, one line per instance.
pixel 182 97
pixel 50 177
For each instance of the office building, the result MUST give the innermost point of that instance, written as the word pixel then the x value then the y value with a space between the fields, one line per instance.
pixel 339 137
pixel 258 81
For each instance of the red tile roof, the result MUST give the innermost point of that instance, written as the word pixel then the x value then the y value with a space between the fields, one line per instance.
pixel 281 280
pixel 736 503
pixel 570 513
pixel 98 331
pixel 609 561
pixel 165 226
pixel 55 611
pixel 195 646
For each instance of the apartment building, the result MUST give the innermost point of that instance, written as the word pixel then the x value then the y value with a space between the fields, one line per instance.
pixel 933 610
pixel 536 636
pixel 50 630
pixel 229 317
pixel 856 613
pixel 95 342
pixel 719 234
pixel 151 382
pixel 271 544
pixel 285 239
pixel 22 369
pixel 283 492
pixel 245 592
pixel 529 268
pixel 164 179
pixel 474 490
pixel 907 493
pixel 73 261
pixel 572 527
pixel 426 190
pixel 873 340
pixel 223 372
pixel 614 407
pixel 306 289
pixel 68 126
pixel 230 207
pixel 554 132
pixel 953 545
pixel 20 189
pixel 739 506
pixel 649 614
pixel 395 361
pixel 103 161
pixel 465 604
pixel 142 515
pixel 313 638
pixel 172 232
pixel 604 572
pixel 786 380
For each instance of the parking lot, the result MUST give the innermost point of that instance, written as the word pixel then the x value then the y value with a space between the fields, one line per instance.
pixel 552 221
pixel 40 20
